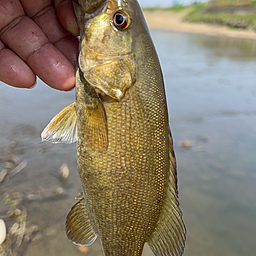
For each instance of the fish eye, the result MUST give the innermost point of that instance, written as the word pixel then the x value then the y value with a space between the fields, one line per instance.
pixel 121 20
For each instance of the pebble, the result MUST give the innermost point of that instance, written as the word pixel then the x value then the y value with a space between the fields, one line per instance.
pixel 17 212
pixel 14 228
pixel 59 191
pixel 83 249
pixel 33 197
pixel 187 144
pixel 2 231
pixel 37 237
pixel 9 165
pixel 64 171
pixel 3 175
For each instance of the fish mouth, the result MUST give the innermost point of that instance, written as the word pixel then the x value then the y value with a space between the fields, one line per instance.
pixel 100 58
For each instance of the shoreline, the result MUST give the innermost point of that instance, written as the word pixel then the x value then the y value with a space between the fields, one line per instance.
pixel 173 21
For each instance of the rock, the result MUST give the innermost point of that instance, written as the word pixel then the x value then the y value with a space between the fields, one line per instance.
pixel 64 171
pixel 83 249
pixel 14 229
pixel 3 175
pixel 34 197
pixel 2 231
pixel 59 191
pixel 187 144
pixel 37 237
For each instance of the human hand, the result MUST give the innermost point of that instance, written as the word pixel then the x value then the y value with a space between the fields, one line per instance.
pixel 34 40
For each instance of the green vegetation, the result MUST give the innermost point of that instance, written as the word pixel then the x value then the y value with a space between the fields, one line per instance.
pixel 231 2
pixel 234 16
pixel 175 8
pixel 232 13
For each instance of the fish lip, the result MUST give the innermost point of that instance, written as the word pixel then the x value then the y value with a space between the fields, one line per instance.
pixel 110 58
pixel 101 60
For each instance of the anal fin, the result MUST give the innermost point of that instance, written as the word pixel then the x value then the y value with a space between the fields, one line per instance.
pixel 78 225
pixel 168 238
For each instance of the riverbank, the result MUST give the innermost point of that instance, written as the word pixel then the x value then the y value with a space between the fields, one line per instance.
pixel 174 21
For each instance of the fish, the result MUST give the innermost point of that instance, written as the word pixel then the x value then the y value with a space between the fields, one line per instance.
pixel 119 120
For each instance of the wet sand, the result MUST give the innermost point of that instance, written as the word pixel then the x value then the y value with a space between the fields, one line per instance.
pixel 168 20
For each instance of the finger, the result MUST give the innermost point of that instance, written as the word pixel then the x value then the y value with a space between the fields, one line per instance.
pixel 14 71
pixel 57 35
pixel 69 46
pixel 26 39
pixel 53 70
pixel 45 17
pixel 9 11
pixel 66 15
pixel 33 7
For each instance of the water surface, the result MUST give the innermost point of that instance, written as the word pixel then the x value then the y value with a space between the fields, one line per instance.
pixel 211 92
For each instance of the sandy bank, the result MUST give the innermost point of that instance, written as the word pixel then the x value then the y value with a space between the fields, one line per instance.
pixel 168 20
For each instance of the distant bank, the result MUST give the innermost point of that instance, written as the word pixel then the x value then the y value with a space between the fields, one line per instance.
pixel 225 20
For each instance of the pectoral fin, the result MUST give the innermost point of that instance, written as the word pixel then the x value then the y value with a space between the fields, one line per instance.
pixel 168 238
pixel 78 225
pixel 62 128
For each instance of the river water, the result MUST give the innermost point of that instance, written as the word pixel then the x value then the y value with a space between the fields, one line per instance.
pixel 211 91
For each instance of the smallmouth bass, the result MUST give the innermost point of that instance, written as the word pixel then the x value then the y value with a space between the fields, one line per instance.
pixel 125 152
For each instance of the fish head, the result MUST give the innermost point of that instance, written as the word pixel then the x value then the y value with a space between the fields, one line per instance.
pixel 107 58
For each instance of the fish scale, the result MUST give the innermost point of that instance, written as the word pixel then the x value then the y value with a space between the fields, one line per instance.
pixel 125 152
pixel 127 203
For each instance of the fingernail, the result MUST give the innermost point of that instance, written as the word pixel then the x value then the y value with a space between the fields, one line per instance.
pixel 32 86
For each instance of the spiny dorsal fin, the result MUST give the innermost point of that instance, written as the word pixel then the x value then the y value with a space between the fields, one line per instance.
pixel 78 225
pixel 62 128
pixel 168 238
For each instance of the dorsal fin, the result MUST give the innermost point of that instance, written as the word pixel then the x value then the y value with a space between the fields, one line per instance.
pixel 168 238
pixel 78 225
